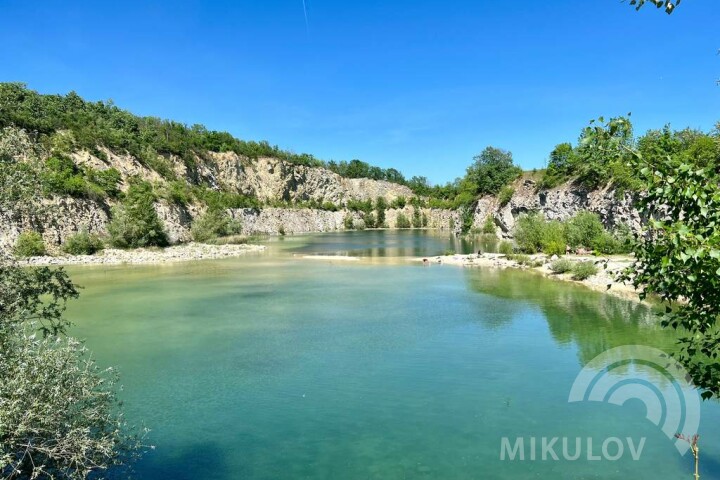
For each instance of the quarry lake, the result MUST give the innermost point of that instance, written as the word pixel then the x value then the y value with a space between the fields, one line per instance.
pixel 276 366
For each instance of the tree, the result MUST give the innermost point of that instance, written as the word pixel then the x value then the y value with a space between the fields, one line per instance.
pixel 380 207
pixel 492 170
pixel 419 185
pixel 595 167
pixel 561 165
pixel 135 223
pixel 679 260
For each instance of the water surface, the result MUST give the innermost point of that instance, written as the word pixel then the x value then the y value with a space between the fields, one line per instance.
pixel 276 367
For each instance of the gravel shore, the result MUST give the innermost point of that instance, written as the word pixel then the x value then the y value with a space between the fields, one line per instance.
pixel 599 282
pixel 177 253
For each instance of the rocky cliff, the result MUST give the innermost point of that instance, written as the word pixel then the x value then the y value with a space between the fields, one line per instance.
pixel 272 181
pixel 560 203
pixel 269 180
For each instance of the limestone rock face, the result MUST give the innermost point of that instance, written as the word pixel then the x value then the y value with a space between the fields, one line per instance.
pixel 559 203
pixel 273 180
pixel 64 217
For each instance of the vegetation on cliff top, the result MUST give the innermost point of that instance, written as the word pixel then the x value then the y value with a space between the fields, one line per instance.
pixel 599 160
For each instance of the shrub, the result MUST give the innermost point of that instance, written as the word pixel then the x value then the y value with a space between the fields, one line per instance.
pixel 402 221
pixel 489 227
pixel 416 218
pixel 360 205
pixel 505 195
pixel 505 248
pixel 329 206
pixel 553 241
pixel 583 229
pixel 222 200
pixel 606 244
pixel 583 270
pixel 61 176
pixel 561 266
pixel 106 180
pixel 399 202
pixel 348 222
pixel 281 230
pixel 29 244
pixel 380 207
pixel 82 243
pixel 370 221
pixel 467 216
pixel 625 238
pixel 359 224
pixel 529 232
pixel 213 224
pixel 178 192
pixel 135 222
pixel 424 220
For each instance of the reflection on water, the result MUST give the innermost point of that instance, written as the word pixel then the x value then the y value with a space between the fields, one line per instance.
pixel 385 243
pixel 575 315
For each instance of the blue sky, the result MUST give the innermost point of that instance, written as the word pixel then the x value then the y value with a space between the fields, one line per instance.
pixel 419 85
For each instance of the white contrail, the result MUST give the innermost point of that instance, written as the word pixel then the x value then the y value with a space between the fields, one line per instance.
pixel 307 24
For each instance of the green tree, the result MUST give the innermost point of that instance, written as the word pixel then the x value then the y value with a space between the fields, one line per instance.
pixel 603 158
pixel 492 170
pixel 561 165
pixel 583 229
pixel 135 223
pixel 402 221
pixel 678 259
pixel 380 207
pixel 529 232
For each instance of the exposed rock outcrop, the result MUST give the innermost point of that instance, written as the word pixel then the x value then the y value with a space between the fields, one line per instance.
pixel 559 203
pixel 272 180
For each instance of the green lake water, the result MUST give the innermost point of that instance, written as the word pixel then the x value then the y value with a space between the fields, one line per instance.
pixel 275 366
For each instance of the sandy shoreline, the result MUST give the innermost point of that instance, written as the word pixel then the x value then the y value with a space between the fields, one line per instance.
pixel 599 282
pixel 147 256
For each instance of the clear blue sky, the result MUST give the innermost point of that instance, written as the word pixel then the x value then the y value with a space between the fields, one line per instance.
pixel 419 85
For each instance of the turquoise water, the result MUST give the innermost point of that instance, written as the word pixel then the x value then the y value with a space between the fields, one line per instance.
pixel 275 366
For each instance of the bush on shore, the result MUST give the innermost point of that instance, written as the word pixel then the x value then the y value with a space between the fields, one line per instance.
pixel 83 243
pixel 505 248
pixel 534 234
pixel 29 244
pixel 213 224
pixel 584 270
pixel 561 266
pixel 402 221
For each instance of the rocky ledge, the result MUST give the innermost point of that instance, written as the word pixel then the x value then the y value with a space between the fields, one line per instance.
pixel 178 253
